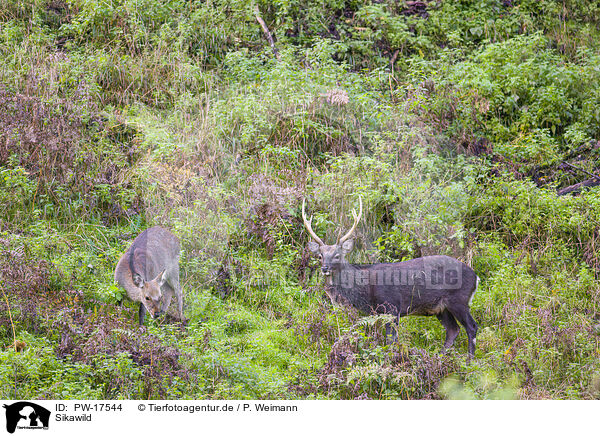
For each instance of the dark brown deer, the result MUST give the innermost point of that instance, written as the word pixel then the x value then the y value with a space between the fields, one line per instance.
pixel 430 285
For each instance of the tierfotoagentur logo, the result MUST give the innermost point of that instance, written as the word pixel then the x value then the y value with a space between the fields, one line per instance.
pixel 425 278
pixel 26 415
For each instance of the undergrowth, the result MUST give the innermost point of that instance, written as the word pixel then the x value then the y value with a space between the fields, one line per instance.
pixel 458 124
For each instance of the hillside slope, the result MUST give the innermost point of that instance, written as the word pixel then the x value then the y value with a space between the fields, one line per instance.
pixel 459 123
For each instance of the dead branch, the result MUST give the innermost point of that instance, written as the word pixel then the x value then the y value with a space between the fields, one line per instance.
pixel 579 186
pixel 266 32
pixel 582 170
pixel 393 59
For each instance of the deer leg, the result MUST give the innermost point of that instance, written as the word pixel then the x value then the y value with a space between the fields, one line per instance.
pixel 142 313
pixel 174 288
pixel 464 317
pixel 168 291
pixel 452 328
pixel 474 328
pixel 179 294
pixel 167 295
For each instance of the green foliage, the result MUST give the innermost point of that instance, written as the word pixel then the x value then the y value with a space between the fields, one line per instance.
pixel 38 373
pixel 118 115
pixel 16 192
pixel 532 97
pixel 533 218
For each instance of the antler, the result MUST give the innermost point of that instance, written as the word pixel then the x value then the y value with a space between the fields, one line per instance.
pixel 307 224
pixel 356 220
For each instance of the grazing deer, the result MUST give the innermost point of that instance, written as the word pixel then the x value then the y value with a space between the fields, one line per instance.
pixel 149 272
pixel 431 285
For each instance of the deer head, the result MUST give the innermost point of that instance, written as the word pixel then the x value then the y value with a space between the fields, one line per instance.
pixel 151 294
pixel 331 256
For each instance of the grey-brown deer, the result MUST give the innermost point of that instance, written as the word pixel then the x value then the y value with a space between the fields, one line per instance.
pixel 149 272
pixel 430 285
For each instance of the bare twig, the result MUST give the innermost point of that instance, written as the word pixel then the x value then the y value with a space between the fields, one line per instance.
pixel 582 170
pixel 266 31
pixel 393 59
pixel 578 186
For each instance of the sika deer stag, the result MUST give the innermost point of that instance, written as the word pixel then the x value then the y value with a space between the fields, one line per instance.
pixel 430 285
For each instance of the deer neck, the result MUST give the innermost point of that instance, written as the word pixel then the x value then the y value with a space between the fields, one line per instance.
pixel 344 288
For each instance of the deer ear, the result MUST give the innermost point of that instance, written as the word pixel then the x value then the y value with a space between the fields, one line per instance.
pixel 314 247
pixel 160 278
pixel 138 280
pixel 348 245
